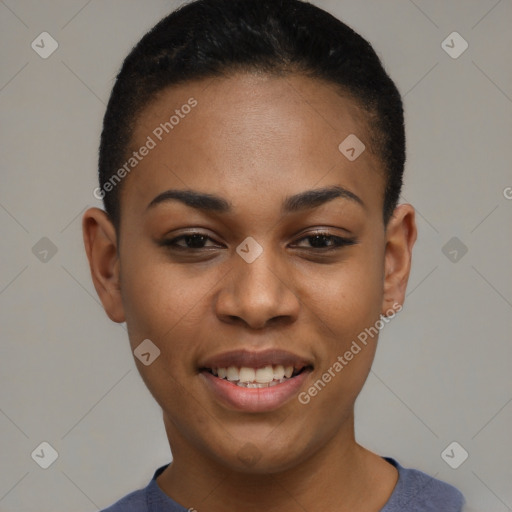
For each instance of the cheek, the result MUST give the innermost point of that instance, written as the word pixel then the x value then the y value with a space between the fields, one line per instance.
pixel 164 307
pixel 157 296
pixel 167 304
pixel 347 307
pixel 346 299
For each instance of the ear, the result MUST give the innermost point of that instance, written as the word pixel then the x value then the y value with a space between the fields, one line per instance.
pixel 100 242
pixel 401 234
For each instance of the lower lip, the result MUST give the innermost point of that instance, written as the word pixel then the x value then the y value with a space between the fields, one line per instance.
pixel 254 399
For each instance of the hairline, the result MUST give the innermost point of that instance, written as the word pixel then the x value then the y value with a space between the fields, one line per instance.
pixel 282 72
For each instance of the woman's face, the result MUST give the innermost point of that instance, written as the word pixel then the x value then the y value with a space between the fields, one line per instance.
pixel 285 266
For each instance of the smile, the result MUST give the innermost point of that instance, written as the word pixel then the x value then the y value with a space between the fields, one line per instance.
pixel 254 381
pixel 246 377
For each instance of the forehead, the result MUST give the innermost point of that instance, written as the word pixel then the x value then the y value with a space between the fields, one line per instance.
pixel 250 131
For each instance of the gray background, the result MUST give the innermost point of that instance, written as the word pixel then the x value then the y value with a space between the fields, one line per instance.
pixel 442 371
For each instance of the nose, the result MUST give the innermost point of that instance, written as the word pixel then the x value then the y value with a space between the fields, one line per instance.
pixel 257 294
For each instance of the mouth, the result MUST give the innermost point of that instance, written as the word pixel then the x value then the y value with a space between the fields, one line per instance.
pixel 255 381
pixel 265 377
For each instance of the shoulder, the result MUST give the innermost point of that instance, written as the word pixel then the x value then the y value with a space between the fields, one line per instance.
pixel 138 501
pixel 133 502
pixel 416 491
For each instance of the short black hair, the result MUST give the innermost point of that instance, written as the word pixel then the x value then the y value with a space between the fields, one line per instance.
pixel 210 38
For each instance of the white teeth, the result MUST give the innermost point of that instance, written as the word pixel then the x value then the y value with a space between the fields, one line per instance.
pixel 247 374
pixel 232 374
pixel 279 372
pixel 255 378
pixel 264 375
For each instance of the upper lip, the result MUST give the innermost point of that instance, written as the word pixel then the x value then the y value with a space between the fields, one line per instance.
pixel 253 359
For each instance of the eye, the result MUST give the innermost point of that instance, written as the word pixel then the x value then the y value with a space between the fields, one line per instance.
pixel 320 241
pixel 189 241
pixel 325 241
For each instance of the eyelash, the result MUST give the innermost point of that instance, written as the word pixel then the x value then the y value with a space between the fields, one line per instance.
pixel 339 242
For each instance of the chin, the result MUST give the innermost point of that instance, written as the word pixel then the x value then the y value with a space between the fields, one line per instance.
pixel 261 457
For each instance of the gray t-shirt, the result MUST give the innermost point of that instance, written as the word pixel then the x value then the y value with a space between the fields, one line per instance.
pixel 415 491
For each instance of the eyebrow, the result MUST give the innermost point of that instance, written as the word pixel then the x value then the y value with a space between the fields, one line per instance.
pixel 298 202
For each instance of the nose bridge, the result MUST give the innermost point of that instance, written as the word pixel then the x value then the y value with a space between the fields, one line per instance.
pixel 257 292
pixel 256 280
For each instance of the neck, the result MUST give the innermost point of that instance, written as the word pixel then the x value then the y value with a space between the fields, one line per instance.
pixel 341 476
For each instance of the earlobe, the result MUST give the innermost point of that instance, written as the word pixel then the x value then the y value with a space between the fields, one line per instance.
pixel 401 233
pixel 100 240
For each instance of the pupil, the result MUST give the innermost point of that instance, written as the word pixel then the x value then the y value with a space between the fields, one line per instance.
pixel 317 238
pixel 196 241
